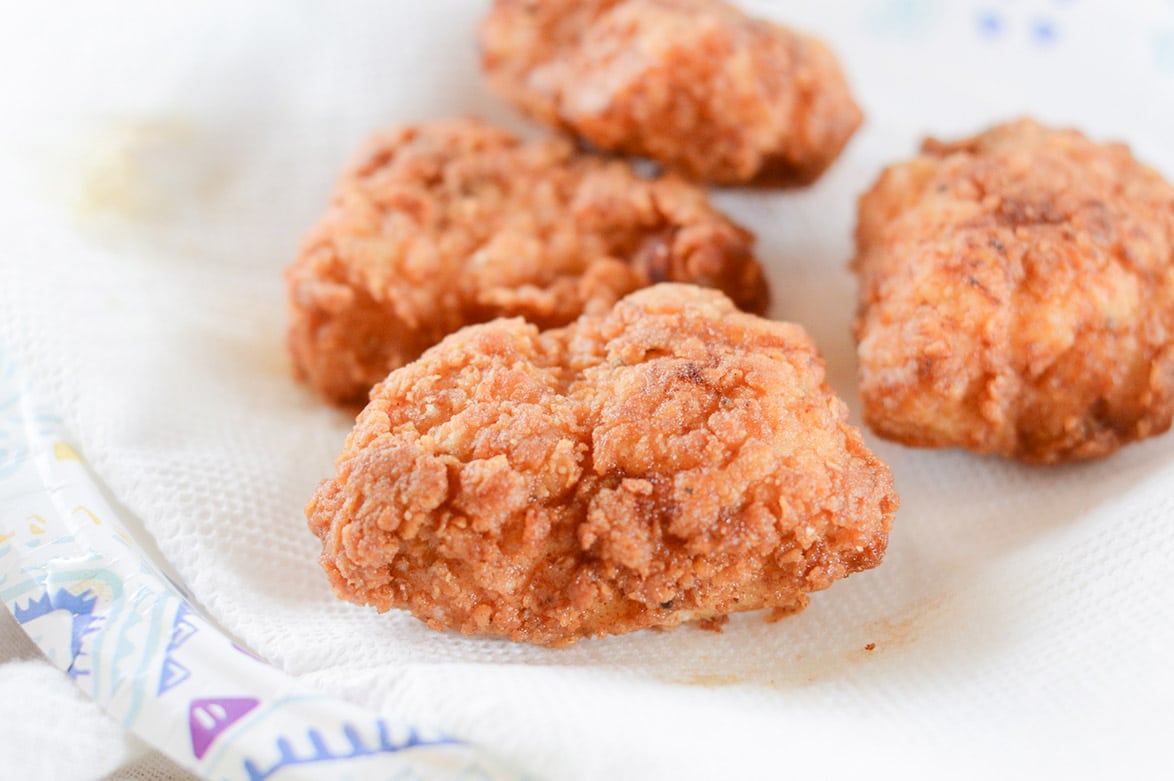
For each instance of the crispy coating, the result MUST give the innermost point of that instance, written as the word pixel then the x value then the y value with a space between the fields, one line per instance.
pixel 451 223
pixel 694 84
pixel 674 460
pixel 1017 296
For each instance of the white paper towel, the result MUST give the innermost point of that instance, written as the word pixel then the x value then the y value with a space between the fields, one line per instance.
pixel 159 164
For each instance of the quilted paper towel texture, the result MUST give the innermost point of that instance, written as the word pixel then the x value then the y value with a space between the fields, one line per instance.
pixel 156 173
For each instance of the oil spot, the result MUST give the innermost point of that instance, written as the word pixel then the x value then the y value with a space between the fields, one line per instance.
pixel 875 642
pixel 147 180
pixel 905 628
pixel 124 171
pixel 711 679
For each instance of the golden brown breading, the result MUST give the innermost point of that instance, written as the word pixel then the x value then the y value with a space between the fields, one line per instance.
pixel 674 460
pixel 693 84
pixel 442 225
pixel 1017 296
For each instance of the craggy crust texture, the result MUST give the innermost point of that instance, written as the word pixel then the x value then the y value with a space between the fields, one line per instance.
pixel 442 225
pixel 1017 296
pixel 693 84
pixel 674 460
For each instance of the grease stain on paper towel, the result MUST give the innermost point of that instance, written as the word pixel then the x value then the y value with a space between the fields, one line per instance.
pixel 159 189
pixel 145 169
pixel 903 629
pixel 711 679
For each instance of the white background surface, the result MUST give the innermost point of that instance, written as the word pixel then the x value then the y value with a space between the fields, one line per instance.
pixel 158 165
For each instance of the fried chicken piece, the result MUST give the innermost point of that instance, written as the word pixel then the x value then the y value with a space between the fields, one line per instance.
pixel 696 85
pixel 1017 296
pixel 442 225
pixel 673 460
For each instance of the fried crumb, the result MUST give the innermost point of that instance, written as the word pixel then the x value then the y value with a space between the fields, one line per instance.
pixel 713 623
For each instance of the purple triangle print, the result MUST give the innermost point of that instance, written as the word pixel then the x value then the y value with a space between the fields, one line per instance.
pixel 208 718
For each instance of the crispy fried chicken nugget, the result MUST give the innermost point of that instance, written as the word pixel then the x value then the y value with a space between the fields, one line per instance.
pixel 693 84
pixel 1017 296
pixel 675 460
pixel 442 225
